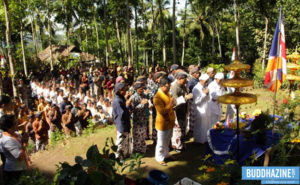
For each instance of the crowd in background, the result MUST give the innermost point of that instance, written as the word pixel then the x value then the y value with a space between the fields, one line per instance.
pixel 178 100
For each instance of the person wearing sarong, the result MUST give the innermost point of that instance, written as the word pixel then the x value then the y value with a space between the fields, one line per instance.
pixel 202 121
pixel 139 105
pixel 179 90
pixel 122 121
pixel 191 84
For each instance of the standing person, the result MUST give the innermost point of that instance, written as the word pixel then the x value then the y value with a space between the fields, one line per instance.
pixel 191 84
pixel 13 145
pixel 5 106
pixel 165 120
pixel 210 72
pixel 216 90
pixel 140 120
pixel 122 120
pixel 179 91
pixel 201 99
pixel 75 113
pixel 194 80
pixel 40 128
pixel 153 88
pixel 67 121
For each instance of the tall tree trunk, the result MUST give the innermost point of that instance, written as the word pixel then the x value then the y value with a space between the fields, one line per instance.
pixel 162 33
pixel 22 45
pixel 34 36
pixel 174 32
pixel 97 37
pixel 119 41
pixel 9 48
pixel 136 38
pixel 152 36
pixel 50 36
pixel 125 45
pixel 131 44
pixel 213 42
pixel 236 19
pixel 86 42
pixel 106 36
pixel 128 33
pixel 265 45
pixel 183 39
pixel 219 43
pixel 144 42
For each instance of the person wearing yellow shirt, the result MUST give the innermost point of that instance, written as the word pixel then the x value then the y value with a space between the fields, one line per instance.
pixel 165 120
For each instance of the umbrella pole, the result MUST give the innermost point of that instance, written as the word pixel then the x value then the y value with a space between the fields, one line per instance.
pixel 237 132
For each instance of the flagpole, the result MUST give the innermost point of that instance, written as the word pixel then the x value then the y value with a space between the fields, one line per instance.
pixel 277 60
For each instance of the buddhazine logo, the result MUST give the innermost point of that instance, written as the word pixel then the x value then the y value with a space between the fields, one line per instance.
pixel 272 175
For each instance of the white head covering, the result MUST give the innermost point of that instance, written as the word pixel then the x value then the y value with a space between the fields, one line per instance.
pixel 219 76
pixel 204 77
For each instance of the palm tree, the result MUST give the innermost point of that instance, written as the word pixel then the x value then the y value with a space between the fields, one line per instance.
pixel 106 35
pixel 199 20
pixel 184 32
pixel 130 63
pixel 9 46
pixel 237 33
pixel 50 34
pixel 22 43
pixel 162 24
pixel 174 32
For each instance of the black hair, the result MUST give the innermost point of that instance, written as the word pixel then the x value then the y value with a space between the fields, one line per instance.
pixel 7 122
pixel 164 80
pixel 4 100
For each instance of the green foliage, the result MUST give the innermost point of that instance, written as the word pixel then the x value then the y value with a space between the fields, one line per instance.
pixel 90 128
pixel 33 177
pixel 56 136
pixel 259 74
pixel 30 147
pixel 98 167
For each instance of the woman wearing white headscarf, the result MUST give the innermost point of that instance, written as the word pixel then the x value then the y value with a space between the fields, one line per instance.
pixel 216 90
pixel 202 118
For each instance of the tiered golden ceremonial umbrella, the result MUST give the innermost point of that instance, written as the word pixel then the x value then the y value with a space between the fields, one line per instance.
pixel 293 66
pixel 237 98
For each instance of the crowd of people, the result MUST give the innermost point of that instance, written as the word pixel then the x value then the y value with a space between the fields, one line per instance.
pixel 179 102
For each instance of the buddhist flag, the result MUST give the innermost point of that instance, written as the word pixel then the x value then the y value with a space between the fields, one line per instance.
pixel 276 70
pixel 233 54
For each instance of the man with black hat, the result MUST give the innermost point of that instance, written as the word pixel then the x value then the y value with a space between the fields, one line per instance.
pixel 194 80
pixel 139 106
pixel 179 91
pixel 173 71
pixel 122 120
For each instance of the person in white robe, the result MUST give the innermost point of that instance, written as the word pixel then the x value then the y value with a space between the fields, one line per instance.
pixel 231 110
pixel 201 101
pixel 216 90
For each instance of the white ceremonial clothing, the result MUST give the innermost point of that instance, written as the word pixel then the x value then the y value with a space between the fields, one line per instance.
pixel 202 114
pixel 215 90
pixel 162 145
pixel 231 110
